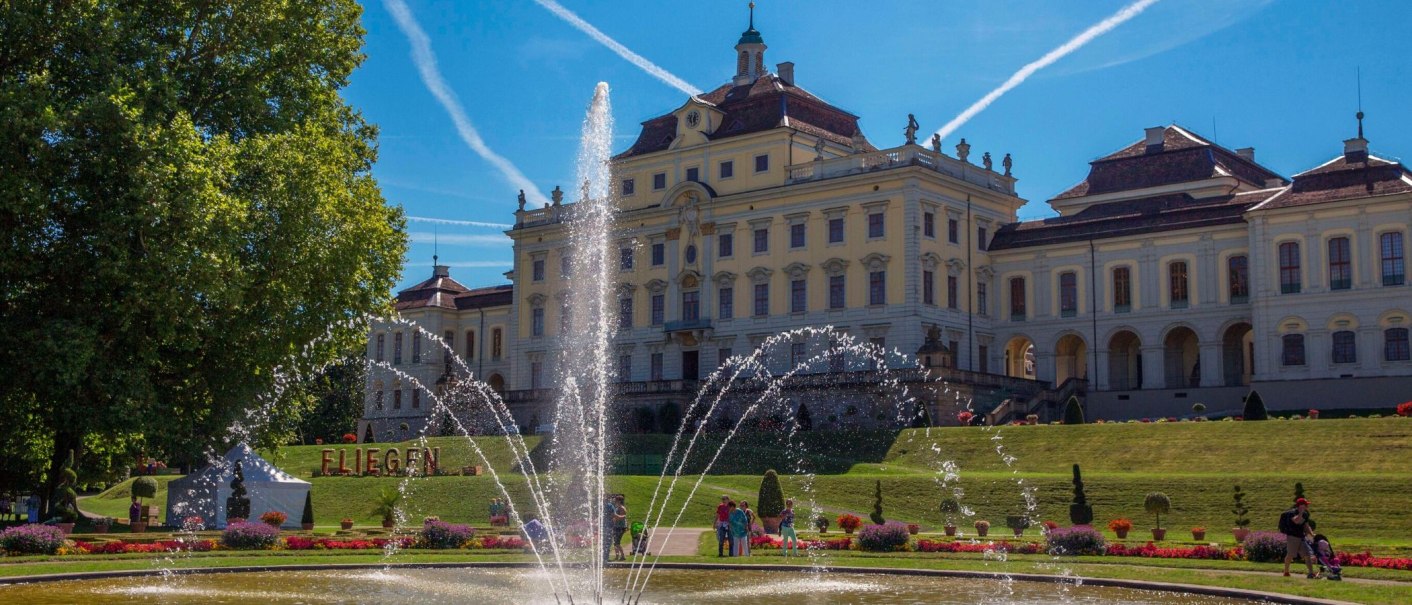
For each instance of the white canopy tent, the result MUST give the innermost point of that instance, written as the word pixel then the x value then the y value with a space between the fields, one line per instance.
pixel 204 493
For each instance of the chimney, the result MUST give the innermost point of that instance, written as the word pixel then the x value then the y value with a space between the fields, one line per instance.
pixel 786 72
pixel 1246 153
pixel 1154 138
pixel 1355 151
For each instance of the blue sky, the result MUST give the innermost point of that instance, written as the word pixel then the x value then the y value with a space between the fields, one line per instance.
pixel 1275 75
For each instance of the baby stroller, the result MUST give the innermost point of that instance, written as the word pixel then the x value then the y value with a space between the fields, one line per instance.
pixel 640 537
pixel 1324 555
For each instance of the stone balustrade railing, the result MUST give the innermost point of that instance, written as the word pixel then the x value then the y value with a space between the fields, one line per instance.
pixel 899 157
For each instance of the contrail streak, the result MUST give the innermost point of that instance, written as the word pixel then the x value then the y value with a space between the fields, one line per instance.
pixel 632 57
pixel 448 221
pixel 1077 42
pixel 425 59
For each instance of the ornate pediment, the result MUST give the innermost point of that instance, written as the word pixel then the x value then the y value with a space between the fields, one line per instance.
pixel 930 261
pixel 759 275
pixel 954 266
pixel 724 278
pixel 875 261
pixel 796 270
pixel 984 272
pixel 835 266
pixel 536 299
pixel 689 278
pixel 626 289
pixel 656 286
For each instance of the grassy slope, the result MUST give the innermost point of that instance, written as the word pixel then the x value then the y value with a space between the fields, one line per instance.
pixel 1354 470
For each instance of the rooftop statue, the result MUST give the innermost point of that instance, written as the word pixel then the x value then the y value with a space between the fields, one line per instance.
pixel 1007 163
pixel 522 200
pixel 819 149
pixel 557 194
pixel 963 150
pixel 936 142
pixel 911 130
pixel 985 161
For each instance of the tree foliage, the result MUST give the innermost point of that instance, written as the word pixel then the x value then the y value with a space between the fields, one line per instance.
pixel 332 400
pixel 185 202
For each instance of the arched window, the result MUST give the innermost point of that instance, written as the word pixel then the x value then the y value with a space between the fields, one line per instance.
pixel 1395 345
pixel 397 348
pixel 497 342
pixel 417 346
pixel 1345 347
pixel 1289 268
pixel 1293 349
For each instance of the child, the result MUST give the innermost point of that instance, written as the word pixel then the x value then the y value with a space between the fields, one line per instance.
pixel 1324 554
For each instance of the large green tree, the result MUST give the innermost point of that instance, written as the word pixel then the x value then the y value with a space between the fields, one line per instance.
pixel 185 202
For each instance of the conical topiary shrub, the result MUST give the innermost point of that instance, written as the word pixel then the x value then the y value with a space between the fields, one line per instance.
pixel 770 501
pixel 1073 411
pixel 1255 407
pixel 1080 512
pixel 307 519
pixel 877 516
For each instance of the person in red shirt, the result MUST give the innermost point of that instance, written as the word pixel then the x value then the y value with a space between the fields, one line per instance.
pixel 724 542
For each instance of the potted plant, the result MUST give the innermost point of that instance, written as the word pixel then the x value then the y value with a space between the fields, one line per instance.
pixel 385 506
pixel 306 520
pixel 1121 527
pixel 1017 524
pixel 1032 419
pixel 346 523
pixel 1155 504
pixel 982 527
pixel 1242 519
pixel 1198 533
pixel 102 525
pixel 821 523
pixel 1199 409
pixel 770 503
pixel 849 522
pixel 913 528
pixel 949 508
pixel 1313 414
pixel 274 518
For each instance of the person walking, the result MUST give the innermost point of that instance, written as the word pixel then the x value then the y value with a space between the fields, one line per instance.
pixel 605 531
pixel 724 543
pixel 620 526
pixel 789 541
pixel 740 531
pixel 1293 524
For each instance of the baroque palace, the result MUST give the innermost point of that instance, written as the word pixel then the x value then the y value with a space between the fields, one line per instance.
pixel 1178 272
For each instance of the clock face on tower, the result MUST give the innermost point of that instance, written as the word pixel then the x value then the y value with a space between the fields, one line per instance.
pixel 693 119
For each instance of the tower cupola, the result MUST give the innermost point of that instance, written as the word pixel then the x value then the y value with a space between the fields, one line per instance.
pixel 750 54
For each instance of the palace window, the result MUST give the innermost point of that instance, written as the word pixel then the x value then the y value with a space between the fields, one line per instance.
pixel 928 224
pixel 1239 269
pixel 762 163
pixel 796 235
pixel 566 265
pixel 693 175
pixel 1292 353
pixel 725 303
pixel 470 344
pixel 983 356
pixel 1068 294
pixel 659 181
pixel 798 302
pixel 397 399
pixel 836 292
pixel 625 313
pixel 1017 298
pixel 566 317
pixel 762 240
pixel 497 344
pixel 980 238
pixel 762 300
pixel 953 292
pixel 982 300
pixel 450 338
pixel 659 254
pixel 1177 282
pixel 536 374
pixel 1394 269
pixel 797 356
pixel 877 288
pixel 656 369
pixel 624 368
pixel 725 245
pixel 1289 268
pixel 625 259
pixel 397 349
pixel 377 351
pixel 836 230
pixel 659 303
pixel 727 169
pixel 1340 265
pixel 691 305
pixel 628 186
pixel 537 321
pixel 875 225
pixel 928 288
pixel 537 273
pixel 1345 347
pixel 377 399
pixel 1395 345
pixel 953 231
pixel 723 355
pixel 1122 289
pixel 416 398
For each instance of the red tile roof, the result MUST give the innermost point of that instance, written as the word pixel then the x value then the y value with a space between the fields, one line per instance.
pixel 1339 179
pixel 1130 217
pixel 446 293
pixel 1184 157
pixel 769 102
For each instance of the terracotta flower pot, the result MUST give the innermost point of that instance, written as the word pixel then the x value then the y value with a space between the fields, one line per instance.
pixel 139 528
pixel 1240 533
pixel 913 528
pixel 1198 535
pixel 306 526
pixel 346 524
pixel 388 523
pixel 1158 534
pixel 67 528
pixel 771 524
pixel 1122 533
pixel 950 530
pixel 982 531
pixel 102 529
pixel 848 530
pixel 1019 531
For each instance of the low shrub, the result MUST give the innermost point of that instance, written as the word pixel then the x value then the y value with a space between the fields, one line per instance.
pixel 888 537
pixel 1074 541
pixel 1404 409
pixel 440 534
pixel 1265 547
pixel 249 536
pixel 32 539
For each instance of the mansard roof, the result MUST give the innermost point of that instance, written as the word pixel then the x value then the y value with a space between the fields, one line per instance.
pixel 1169 212
pixel 1341 179
pixel 1182 157
pixel 768 102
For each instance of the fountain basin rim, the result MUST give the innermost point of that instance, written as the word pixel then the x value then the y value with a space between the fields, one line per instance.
pixel 1215 591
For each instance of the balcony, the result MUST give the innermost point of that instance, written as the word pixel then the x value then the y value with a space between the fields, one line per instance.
pixel 687 325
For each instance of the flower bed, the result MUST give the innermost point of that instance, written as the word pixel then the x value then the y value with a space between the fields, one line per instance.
pixel 1265 546
pixel 1073 541
pixel 250 536
pixel 1024 548
pixel 32 539
pixel 440 534
pixel 889 537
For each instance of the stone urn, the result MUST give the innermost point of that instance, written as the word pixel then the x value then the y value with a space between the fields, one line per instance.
pixel 102 528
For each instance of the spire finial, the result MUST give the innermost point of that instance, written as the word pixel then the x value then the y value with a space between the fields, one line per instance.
pixel 752 15
pixel 435 246
pixel 1360 102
